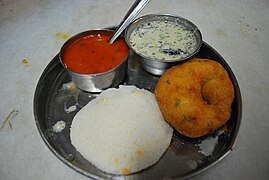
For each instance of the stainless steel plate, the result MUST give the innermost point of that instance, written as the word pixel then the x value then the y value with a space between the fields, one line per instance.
pixel 56 100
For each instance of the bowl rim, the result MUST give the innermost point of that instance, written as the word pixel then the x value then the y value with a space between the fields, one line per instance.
pixel 138 21
pixel 82 34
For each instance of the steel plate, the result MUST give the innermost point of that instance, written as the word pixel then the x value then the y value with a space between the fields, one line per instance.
pixel 56 100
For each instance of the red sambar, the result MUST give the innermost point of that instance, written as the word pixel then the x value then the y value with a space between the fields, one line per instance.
pixel 93 54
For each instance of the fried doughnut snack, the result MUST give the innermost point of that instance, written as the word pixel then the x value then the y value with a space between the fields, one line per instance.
pixel 195 97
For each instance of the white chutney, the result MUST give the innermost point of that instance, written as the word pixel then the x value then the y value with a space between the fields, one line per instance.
pixel 154 40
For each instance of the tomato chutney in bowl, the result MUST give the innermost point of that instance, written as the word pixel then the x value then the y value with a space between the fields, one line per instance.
pixel 162 40
pixel 93 63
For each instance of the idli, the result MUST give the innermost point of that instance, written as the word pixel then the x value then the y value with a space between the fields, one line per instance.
pixel 122 131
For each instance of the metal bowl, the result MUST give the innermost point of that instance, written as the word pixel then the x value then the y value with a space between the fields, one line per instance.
pixel 95 82
pixel 158 66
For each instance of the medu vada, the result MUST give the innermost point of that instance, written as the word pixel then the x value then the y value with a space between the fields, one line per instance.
pixel 195 97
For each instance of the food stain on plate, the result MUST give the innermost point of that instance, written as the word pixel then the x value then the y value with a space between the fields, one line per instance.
pixel 207 146
pixel 192 164
pixel 25 62
pixel 67 95
pixel 58 127
pixel 10 116
pixel 71 108
pixel 61 36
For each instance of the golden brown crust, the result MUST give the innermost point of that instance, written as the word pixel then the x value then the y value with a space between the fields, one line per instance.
pixel 195 97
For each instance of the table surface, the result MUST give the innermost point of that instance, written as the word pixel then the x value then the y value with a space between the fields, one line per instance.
pixel 33 31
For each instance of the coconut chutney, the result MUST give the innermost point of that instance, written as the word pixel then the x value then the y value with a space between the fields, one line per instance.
pixel 157 38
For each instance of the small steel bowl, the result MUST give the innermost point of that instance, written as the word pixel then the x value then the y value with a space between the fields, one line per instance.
pixel 159 66
pixel 95 82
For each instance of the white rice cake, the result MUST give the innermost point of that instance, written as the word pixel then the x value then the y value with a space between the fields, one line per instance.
pixel 122 131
